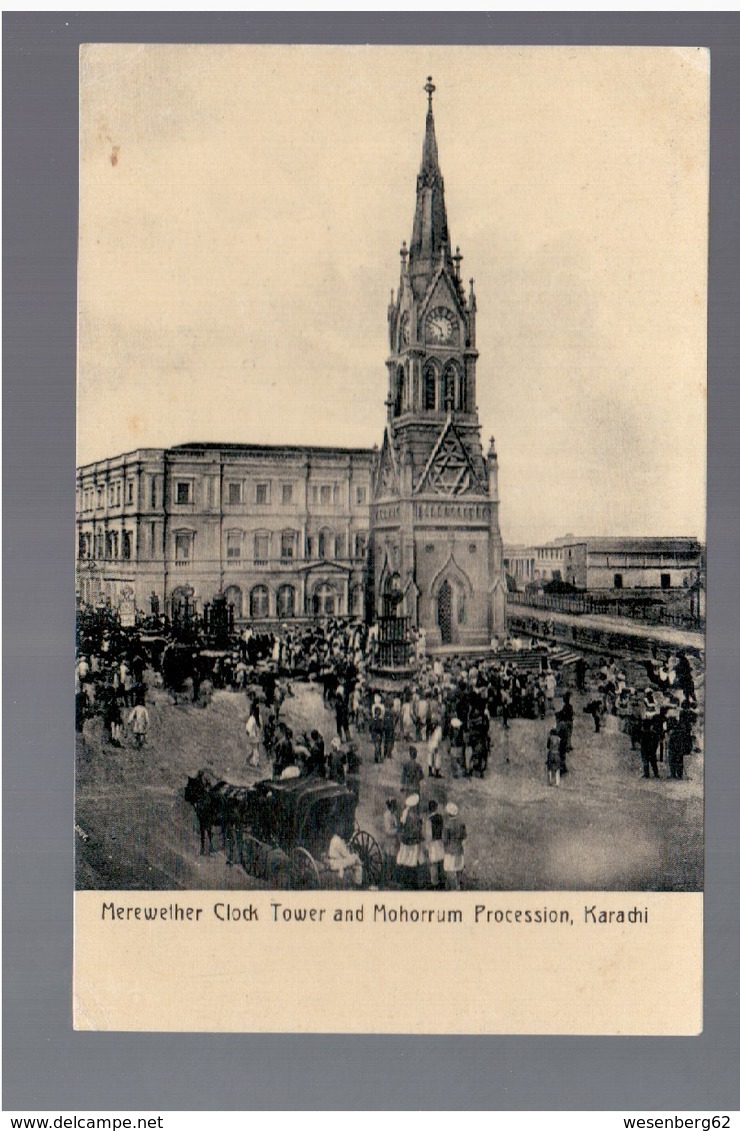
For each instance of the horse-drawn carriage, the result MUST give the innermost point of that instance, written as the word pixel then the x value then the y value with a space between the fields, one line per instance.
pixel 285 832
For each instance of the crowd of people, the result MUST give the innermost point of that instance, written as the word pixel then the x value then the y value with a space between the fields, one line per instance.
pixel 659 716
pixel 110 680
pixel 444 718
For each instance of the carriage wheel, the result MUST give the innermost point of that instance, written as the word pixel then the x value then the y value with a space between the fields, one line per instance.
pixel 368 849
pixel 281 873
pixel 304 872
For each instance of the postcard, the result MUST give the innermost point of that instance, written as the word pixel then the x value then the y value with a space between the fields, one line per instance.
pixel 390 539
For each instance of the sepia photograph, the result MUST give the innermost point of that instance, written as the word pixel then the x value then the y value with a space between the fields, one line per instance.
pixel 391 445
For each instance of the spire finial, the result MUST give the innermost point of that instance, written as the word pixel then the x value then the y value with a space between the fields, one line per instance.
pixel 430 89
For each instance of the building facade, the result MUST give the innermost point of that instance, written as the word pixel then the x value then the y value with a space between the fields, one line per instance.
pixel 533 565
pixel 435 538
pixel 281 532
pixel 632 563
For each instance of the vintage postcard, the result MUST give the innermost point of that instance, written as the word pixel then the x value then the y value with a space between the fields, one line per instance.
pixel 390 539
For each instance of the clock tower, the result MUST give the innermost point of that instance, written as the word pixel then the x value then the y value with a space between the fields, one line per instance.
pixel 435 545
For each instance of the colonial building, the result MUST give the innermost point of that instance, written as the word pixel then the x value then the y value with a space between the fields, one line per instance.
pixel 632 563
pixel 281 532
pixel 532 565
pixel 436 548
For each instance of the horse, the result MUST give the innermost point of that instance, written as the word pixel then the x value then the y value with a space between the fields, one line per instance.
pixel 206 799
pixel 221 804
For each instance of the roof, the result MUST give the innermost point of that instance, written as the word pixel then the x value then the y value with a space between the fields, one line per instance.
pixel 259 449
pixel 618 545
pixel 430 230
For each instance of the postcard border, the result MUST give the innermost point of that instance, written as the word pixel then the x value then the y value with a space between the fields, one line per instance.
pixel 46 1064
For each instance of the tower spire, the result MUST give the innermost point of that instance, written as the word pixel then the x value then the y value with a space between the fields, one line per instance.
pixel 430 231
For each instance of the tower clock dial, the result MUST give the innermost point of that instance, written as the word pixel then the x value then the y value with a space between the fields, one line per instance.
pixel 441 326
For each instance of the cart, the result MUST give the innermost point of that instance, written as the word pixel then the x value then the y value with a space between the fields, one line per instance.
pixel 285 828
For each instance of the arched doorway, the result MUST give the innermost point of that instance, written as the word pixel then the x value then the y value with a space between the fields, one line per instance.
pixel 259 603
pixel 233 595
pixel 325 601
pixel 286 602
pixel 444 612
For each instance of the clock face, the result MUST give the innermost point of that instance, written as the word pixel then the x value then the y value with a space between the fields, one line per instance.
pixel 441 326
pixel 405 330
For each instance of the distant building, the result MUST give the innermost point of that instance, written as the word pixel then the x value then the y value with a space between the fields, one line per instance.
pixel 281 532
pixel 632 563
pixel 529 565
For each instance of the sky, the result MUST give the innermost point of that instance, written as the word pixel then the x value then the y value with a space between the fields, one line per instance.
pixel 241 215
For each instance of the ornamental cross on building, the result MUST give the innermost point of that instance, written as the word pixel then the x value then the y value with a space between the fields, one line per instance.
pixel 286 531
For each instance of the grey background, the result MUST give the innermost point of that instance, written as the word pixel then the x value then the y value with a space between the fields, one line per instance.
pixel 47 1065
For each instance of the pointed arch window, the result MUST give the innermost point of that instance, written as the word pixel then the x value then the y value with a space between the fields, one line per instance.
pixel 430 386
pixel 449 386
pixel 400 391
pixel 462 400
pixel 233 596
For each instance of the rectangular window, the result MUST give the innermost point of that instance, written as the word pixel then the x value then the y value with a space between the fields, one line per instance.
pixel 618 581
pixel 339 546
pixel 287 494
pixel 130 491
pixel 183 492
pixel 326 493
pixel 336 494
pixel 361 496
pixel 126 546
pixel 261 547
pixel 152 537
pixel 262 494
pixel 182 547
pixel 287 544
pixel 153 493
pixel 235 492
pixel 665 581
pixel 234 545
pixel 314 494
pixel 118 494
pixel 101 497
